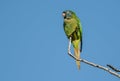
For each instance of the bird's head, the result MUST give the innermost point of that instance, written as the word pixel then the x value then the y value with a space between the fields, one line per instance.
pixel 68 14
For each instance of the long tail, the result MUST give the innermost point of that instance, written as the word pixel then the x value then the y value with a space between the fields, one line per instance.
pixel 77 55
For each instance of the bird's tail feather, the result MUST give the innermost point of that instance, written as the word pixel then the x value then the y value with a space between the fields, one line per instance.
pixel 77 55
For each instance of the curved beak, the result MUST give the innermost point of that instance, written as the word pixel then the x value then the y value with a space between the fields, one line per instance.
pixel 63 14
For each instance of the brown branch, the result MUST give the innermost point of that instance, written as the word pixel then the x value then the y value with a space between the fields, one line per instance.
pixel 91 63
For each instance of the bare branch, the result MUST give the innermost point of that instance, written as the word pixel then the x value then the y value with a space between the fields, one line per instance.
pixel 91 63
pixel 113 68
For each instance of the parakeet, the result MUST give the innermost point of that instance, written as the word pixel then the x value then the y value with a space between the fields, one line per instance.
pixel 72 27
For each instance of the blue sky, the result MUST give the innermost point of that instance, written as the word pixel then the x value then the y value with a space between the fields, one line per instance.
pixel 33 45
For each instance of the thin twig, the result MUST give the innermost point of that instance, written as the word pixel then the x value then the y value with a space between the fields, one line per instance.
pixel 91 63
pixel 113 68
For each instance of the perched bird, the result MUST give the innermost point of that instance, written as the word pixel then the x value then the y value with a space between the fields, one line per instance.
pixel 73 29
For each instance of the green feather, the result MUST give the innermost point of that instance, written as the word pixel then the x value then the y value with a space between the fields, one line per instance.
pixel 72 27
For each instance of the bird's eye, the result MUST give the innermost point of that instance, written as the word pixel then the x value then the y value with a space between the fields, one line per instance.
pixel 69 14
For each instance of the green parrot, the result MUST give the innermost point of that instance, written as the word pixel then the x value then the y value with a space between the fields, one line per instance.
pixel 73 29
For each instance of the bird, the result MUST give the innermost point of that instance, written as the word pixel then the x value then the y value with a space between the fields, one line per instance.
pixel 73 29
